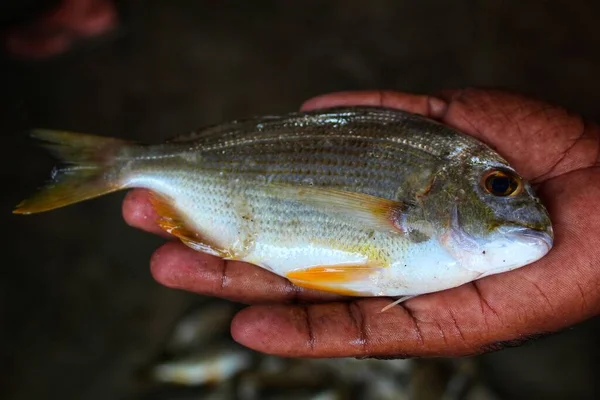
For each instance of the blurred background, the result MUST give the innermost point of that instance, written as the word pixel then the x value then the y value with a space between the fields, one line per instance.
pixel 81 316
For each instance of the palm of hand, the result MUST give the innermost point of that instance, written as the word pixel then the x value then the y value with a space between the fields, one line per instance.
pixel 556 150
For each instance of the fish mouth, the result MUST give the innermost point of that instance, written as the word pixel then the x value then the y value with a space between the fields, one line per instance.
pixel 505 248
pixel 508 247
pixel 545 236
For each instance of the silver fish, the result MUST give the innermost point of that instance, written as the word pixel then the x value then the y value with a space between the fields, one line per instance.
pixel 360 201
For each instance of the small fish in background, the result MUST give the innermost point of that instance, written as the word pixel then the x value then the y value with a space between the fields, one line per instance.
pixel 359 201
pixel 207 364
pixel 198 327
pixel 211 367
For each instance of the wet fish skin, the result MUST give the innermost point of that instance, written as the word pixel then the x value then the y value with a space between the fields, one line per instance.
pixel 360 201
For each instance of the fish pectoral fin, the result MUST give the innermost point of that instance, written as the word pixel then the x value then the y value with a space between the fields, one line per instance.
pixel 333 278
pixel 375 212
pixel 174 223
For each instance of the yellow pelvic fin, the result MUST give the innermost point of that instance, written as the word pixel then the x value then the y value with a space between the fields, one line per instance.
pixel 332 278
pixel 173 222
pixel 375 212
pixel 87 170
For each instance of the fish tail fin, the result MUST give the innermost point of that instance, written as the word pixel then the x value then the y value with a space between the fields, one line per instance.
pixel 88 169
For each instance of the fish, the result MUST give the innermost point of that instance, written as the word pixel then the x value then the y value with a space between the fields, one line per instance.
pixel 357 201
pixel 198 368
pixel 195 329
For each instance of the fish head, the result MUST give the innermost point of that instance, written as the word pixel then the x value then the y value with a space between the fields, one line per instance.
pixel 495 222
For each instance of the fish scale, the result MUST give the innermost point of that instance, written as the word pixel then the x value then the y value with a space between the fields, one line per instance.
pixel 209 203
pixel 335 167
pixel 362 201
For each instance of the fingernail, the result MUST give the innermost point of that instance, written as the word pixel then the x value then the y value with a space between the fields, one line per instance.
pixel 437 107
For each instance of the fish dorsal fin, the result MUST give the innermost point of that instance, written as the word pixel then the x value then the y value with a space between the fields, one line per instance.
pixel 174 223
pixel 371 211
pixel 224 128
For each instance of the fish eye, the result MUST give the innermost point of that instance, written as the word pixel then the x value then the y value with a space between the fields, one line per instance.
pixel 502 183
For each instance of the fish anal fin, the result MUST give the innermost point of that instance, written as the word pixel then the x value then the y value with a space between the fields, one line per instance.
pixel 333 278
pixel 173 222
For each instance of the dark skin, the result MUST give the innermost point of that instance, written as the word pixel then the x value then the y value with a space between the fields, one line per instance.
pixel 556 150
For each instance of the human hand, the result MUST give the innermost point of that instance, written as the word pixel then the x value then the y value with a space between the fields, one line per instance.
pixel 554 149
pixel 57 28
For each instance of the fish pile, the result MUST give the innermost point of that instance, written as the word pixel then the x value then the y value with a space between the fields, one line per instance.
pixel 359 201
pixel 200 361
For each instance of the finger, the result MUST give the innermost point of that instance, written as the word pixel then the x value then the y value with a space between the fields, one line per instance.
pixel 139 213
pixel 560 290
pixel 25 44
pixel 345 329
pixel 539 139
pixel 419 104
pixel 93 18
pixel 177 266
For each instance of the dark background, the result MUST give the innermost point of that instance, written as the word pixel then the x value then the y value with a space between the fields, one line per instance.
pixel 80 312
